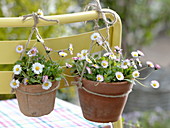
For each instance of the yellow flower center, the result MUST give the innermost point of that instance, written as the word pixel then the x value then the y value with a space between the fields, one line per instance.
pixel 84 54
pixel 125 63
pixel 19 48
pixel 37 68
pixel 104 64
pixel 136 74
pixel 119 76
pixel 154 84
pixel 32 52
pixel 17 69
pixel 95 37
pixel 46 84
pixel 14 83
pixel 99 78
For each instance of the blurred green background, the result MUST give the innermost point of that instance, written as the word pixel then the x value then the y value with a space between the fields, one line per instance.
pixel 143 22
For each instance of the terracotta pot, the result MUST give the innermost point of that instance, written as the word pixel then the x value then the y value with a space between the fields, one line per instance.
pixel 102 108
pixel 36 105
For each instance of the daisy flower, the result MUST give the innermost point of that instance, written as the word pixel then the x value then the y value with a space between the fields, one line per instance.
pixel 46 85
pixel 32 52
pixel 40 12
pixel 37 68
pixel 135 74
pixel 14 83
pixel 107 54
pixel 150 64
pixel 99 41
pixel 17 69
pixel 134 54
pixel 95 65
pixel 19 48
pixel 84 53
pixel 48 50
pixel 154 84
pixel 104 64
pixel 119 76
pixel 70 49
pixel 75 58
pixel 118 49
pixel 125 64
pixel 62 54
pixel 88 70
pixel 139 62
pixel 100 78
pixel 25 81
pixel 157 66
pixel 45 78
pixel 95 36
pixel 112 56
pixel 140 53
pixel 88 60
pixel 39 39
pixel 68 65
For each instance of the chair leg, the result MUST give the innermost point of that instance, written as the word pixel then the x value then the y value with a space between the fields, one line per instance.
pixel 118 124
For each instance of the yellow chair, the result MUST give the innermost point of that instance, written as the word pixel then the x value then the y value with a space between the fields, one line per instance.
pixel 81 41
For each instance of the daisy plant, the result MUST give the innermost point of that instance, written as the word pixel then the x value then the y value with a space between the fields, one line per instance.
pixel 111 66
pixel 35 68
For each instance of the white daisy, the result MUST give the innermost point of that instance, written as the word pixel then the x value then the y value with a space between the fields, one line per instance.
pixel 70 49
pixel 32 52
pixel 62 54
pixel 112 56
pixel 95 65
pixel 100 78
pixel 104 64
pixel 95 36
pixel 25 81
pixel 155 84
pixel 88 60
pixel 140 53
pixel 37 68
pixel 68 65
pixel 88 70
pixel 125 64
pixel 14 83
pixel 139 62
pixel 99 41
pixel 119 76
pixel 40 12
pixel 107 54
pixel 150 64
pixel 134 54
pixel 19 48
pixel 135 74
pixel 39 39
pixel 17 69
pixel 84 53
pixel 46 85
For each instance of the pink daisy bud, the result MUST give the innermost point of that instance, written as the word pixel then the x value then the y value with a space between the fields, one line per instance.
pixel 157 66
pixel 45 78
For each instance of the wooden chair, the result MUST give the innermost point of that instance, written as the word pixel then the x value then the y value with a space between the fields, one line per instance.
pixel 81 41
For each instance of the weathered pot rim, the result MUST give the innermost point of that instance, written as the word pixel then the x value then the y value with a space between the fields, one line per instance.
pixel 116 83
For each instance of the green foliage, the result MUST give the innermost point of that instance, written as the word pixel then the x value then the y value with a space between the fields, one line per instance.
pixel 51 69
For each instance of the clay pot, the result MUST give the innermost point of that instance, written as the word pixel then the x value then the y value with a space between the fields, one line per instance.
pixel 99 108
pixel 36 105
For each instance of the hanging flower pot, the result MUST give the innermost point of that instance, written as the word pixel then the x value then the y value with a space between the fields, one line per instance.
pixel 36 77
pixel 34 101
pixel 105 80
pixel 104 102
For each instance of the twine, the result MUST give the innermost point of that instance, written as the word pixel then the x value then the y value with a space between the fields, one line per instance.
pixel 97 7
pixel 108 96
pixel 36 18
pixel 39 93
